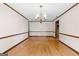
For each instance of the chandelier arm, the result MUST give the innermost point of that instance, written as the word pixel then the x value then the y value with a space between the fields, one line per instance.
pixel 40 17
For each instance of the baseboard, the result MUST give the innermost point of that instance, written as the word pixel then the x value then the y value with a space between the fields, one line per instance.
pixel 14 46
pixel 69 47
pixel 43 36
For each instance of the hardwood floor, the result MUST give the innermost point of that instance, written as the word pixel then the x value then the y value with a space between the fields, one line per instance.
pixel 41 46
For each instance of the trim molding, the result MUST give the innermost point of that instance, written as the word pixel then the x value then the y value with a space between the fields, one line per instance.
pixel 5 52
pixel 69 35
pixel 69 47
pixel 42 36
pixel 39 21
pixel 13 35
pixel 42 31
pixel 65 11
pixel 15 11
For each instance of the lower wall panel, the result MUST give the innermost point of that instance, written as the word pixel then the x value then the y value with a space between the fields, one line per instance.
pixel 7 43
pixel 70 41
pixel 42 34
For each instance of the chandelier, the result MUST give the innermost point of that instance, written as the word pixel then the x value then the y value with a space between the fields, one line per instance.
pixel 40 17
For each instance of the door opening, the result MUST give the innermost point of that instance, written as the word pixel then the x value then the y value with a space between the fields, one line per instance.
pixel 57 28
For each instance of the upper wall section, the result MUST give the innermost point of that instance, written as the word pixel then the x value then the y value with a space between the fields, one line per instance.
pixel 11 22
pixel 69 22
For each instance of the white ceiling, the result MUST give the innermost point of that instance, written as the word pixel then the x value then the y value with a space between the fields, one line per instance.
pixel 30 10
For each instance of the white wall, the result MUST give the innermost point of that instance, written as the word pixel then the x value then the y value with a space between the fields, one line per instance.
pixel 69 24
pixel 11 23
pixel 44 26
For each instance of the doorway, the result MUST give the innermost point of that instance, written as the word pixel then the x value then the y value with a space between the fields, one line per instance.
pixel 57 29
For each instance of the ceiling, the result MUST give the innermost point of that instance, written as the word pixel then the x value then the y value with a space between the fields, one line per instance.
pixel 51 10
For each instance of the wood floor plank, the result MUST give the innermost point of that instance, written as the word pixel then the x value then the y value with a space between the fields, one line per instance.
pixel 41 46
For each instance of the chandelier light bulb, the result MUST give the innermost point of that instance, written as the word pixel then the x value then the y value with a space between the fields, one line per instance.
pixel 40 16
